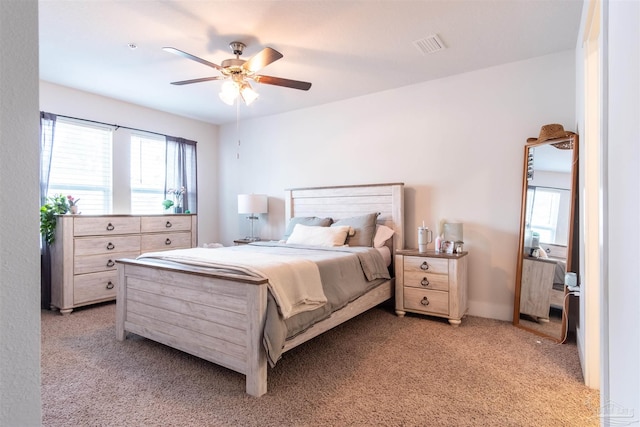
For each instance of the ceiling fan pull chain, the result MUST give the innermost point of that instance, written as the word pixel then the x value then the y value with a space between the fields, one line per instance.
pixel 238 128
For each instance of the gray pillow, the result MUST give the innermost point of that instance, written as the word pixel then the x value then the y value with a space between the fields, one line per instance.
pixel 364 227
pixel 306 220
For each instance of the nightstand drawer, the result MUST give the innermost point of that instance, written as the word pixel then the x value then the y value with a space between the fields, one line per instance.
pixel 89 226
pixel 426 265
pixel 165 241
pixel 94 287
pixel 426 301
pixel 419 280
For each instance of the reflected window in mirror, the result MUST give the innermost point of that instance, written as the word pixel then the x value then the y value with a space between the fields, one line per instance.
pixel 547 214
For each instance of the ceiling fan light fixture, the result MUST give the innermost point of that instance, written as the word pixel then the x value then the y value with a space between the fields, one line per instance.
pixel 248 94
pixel 232 89
pixel 229 92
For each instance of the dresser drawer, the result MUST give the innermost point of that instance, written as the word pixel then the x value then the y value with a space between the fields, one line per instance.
pixel 101 226
pixel 426 265
pixel 94 287
pixel 426 301
pixel 106 245
pixel 160 224
pixel 165 241
pixel 420 280
pixel 102 262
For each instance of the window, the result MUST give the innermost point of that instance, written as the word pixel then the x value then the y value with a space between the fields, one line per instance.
pixel 542 214
pixel 81 165
pixel 112 169
pixel 148 154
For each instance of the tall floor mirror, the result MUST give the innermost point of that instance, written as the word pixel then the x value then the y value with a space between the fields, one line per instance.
pixel 546 233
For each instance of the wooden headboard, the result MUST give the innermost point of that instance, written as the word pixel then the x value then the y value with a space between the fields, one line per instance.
pixel 351 200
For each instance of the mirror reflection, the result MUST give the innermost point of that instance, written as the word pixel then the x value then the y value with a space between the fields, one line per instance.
pixel 546 233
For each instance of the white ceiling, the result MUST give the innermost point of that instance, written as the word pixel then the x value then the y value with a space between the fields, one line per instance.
pixel 345 48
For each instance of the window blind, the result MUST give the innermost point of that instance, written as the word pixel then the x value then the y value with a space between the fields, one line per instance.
pixel 81 165
pixel 148 154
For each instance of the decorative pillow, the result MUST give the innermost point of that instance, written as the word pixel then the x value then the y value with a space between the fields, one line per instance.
pixel 306 220
pixel 364 226
pixel 383 233
pixel 318 236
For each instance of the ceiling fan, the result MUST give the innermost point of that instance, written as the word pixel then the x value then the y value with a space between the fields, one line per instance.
pixel 236 72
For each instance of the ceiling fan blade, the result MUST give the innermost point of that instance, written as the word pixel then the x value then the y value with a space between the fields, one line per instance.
pixel 192 57
pixel 204 79
pixel 261 59
pixel 278 81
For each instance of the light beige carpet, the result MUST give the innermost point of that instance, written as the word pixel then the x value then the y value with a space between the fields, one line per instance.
pixel 377 369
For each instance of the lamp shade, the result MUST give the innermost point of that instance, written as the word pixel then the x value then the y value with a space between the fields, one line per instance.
pixel 252 203
pixel 231 89
pixel 453 231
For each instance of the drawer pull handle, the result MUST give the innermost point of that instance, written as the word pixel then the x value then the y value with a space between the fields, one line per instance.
pixel 424 282
pixel 168 224
pixel 110 263
pixel 167 242
pixel 424 266
pixel 425 301
pixel 110 285
pixel 110 227
pixel 110 246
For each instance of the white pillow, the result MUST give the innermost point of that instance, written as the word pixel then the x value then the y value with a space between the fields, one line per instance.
pixel 383 233
pixel 318 236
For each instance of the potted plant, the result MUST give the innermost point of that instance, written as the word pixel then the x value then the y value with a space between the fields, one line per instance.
pixel 178 194
pixel 56 205
pixel 73 204
pixel 167 204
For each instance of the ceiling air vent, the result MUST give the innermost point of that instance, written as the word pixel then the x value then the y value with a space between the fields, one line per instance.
pixel 429 44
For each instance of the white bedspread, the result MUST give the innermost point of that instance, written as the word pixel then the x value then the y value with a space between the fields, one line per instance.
pixel 294 283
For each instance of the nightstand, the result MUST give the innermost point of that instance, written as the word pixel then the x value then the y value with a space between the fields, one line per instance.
pixel 431 283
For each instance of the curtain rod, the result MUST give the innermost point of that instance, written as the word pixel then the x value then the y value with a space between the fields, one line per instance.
pixel 118 126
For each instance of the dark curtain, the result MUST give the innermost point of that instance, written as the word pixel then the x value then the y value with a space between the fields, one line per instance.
pixel 181 170
pixel 47 131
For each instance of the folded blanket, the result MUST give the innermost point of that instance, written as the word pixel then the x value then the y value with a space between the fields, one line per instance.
pixel 372 264
pixel 294 283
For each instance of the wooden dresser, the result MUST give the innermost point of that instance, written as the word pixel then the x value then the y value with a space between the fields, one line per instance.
pixel 431 283
pixel 83 267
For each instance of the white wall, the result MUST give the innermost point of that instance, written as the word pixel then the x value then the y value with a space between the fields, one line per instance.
pixel 622 296
pixel 74 103
pixel 551 179
pixel 457 144
pixel 590 122
pixel 19 250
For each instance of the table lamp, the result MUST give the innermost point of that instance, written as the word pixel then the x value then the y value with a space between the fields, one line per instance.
pixel 252 204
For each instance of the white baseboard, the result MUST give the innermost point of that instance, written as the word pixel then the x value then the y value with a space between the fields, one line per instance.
pixel 580 345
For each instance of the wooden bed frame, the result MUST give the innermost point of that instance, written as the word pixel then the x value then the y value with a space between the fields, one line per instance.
pixel 220 317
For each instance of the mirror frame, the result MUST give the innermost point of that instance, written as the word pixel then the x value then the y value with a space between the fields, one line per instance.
pixel 572 139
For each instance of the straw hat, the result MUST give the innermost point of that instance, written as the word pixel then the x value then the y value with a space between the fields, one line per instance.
pixel 553 131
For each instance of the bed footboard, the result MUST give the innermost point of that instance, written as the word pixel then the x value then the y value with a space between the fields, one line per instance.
pixel 219 318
